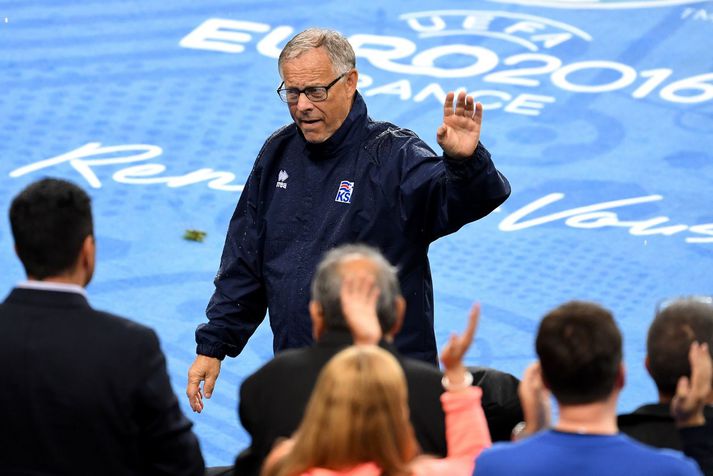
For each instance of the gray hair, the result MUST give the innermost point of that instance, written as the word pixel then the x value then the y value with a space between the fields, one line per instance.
pixel 327 284
pixel 340 52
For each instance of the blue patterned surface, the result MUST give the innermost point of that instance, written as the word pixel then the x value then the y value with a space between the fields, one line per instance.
pixel 618 111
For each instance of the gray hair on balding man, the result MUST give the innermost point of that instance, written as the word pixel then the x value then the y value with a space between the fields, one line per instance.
pixel 338 49
pixel 327 284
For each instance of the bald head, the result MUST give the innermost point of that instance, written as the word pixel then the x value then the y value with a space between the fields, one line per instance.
pixel 350 260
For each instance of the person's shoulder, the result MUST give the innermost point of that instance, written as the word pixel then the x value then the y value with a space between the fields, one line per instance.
pixel 289 362
pixel 419 368
pixel 285 132
pixel 386 139
pixel 115 326
pixel 506 457
pixel 380 131
pixel 276 141
pixel 660 460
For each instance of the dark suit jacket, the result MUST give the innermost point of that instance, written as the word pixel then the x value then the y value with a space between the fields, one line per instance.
pixel 273 399
pixel 653 424
pixel 86 393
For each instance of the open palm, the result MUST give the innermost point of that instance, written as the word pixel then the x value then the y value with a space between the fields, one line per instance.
pixel 459 133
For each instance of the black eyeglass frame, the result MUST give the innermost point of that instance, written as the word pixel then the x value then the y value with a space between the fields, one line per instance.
pixel 308 91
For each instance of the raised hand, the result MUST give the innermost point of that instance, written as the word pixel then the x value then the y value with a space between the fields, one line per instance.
pixel 459 133
pixel 452 354
pixel 688 403
pixel 535 400
pixel 359 295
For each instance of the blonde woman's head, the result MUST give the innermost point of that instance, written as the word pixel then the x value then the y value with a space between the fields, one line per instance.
pixel 358 413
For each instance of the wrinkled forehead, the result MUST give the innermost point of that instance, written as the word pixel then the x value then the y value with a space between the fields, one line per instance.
pixel 311 60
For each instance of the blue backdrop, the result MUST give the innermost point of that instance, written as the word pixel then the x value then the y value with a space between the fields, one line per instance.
pixel 599 112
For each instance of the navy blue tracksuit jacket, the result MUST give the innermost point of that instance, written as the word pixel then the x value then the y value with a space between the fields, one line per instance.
pixel 371 182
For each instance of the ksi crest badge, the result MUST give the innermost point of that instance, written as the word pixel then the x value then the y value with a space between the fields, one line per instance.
pixel 344 194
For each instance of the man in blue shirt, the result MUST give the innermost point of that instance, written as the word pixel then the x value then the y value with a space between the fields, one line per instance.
pixel 336 176
pixel 579 349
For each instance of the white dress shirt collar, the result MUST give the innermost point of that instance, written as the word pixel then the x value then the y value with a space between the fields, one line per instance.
pixel 53 286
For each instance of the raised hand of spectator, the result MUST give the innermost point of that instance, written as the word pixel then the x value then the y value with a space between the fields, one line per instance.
pixel 535 401
pixel 690 399
pixel 359 295
pixel 452 354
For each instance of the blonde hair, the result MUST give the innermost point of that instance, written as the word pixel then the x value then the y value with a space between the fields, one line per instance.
pixel 358 413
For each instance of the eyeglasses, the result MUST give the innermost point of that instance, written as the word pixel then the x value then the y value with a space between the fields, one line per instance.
pixel 313 93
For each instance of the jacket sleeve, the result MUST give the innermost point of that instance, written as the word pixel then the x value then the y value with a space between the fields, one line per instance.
pixel 239 302
pixel 467 434
pixel 167 444
pixel 440 194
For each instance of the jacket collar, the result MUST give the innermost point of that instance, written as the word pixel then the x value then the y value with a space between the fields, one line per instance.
pixel 46 298
pixel 347 136
pixel 339 338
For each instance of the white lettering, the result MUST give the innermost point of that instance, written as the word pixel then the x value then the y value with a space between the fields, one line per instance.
pixel 138 175
pixel 706 229
pixel 270 45
pixel 437 24
pixel 485 60
pixel 478 95
pixel 223 35
pixel 526 26
pixel 512 222
pixel 400 88
pixel 528 104
pixel 384 49
pixel 76 159
pixel 600 215
pixel 217 180
pixel 701 15
pixel 550 40
pixel 478 22
pixel 433 89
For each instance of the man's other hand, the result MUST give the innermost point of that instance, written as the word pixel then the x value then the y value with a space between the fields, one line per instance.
pixel 204 369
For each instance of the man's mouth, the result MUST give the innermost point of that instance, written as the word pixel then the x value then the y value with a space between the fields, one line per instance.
pixel 309 121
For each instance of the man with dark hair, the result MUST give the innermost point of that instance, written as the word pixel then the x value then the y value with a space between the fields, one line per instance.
pixel 580 362
pixel 273 399
pixel 336 176
pixel 86 392
pixel 676 326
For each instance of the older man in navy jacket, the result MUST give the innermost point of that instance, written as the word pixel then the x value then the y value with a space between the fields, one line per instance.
pixel 336 176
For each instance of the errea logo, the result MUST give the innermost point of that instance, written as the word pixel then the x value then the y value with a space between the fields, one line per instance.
pixel 281 178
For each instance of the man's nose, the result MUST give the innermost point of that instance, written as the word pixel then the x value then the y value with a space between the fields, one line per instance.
pixel 303 103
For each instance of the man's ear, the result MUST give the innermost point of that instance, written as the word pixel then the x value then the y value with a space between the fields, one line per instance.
pixel 351 80
pixel 400 305
pixel 620 377
pixel 316 313
pixel 647 364
pixel 87 258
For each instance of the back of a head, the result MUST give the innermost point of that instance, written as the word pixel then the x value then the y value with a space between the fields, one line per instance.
pixel 579 347
pixel 358 412
pixel 675 327
pixel 327 284
pixel 337 47
pixel 50 220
